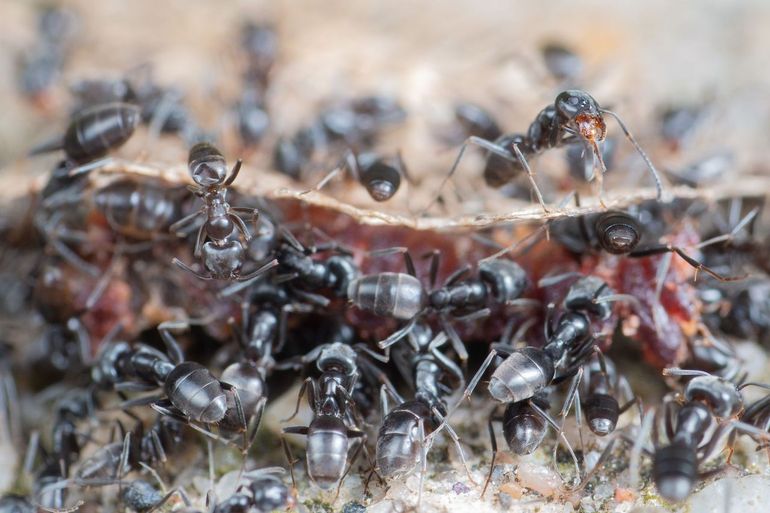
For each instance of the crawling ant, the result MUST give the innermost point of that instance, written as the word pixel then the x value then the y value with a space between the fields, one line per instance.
pixel 139 208
pixel 619 233
pixel 261 334
pixel 259 43
pixel 380 176
pixel 562 63
pixel 575 116
pixel 223 257
pixel 705 402
pixel 41 66
pixel 161 108
pixel 408 427
pixel 403 296
pixel 253 119
pixel 354 126
pixel 528 370
pixel 266 492
pixel 332 428
pixel 358 121
pixel 192 391
pixel 93 132
pixel 525 422
pixel 137 448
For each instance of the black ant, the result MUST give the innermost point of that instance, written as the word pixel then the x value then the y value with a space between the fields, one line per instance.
pixel 575 116
pixel 223 257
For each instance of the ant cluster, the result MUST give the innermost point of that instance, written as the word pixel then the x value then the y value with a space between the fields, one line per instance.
pixel 263 297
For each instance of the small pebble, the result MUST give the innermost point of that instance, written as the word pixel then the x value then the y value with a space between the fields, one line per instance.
pixel 539 478
pixel 353 507
pixel 460 488
pixel 506 501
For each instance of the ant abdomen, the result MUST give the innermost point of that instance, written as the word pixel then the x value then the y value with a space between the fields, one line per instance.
pixel 327 450
pixel 207 165
pixel 675 469
pixel 617 232
pixel 380 179
pixel 602 412
pixel 523 427
pixel 388 294
pixel 196 392
pixel 521 375
pixel 398 444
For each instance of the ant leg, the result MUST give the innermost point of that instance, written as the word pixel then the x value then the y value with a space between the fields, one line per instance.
pixel 256 420
pixel 560 433
pixel 445 362
pixel 164 500
pixel 312 394
pixel 157 447
pixel 410 269
pixel 90 166
pixel 398 334
pixel 471 386
pixel 573 396
pixel 457 275
pixel 348 162
pixel 294 430
pixel 199 240
pixel 455 439
pixel 530 175
pixel 240 225
pixel 650 166
pixel 73 258
pixel 477 377
pixel 457 343
pixel 190 270
pixel 246 280
pixel 174 228
pixel 493 440
pixel 255 274
pixel 490 146
pixel 423 459
pixel 233 174
pixel 172 346
pixel 634 460
pixel 435 260
pixel 123 464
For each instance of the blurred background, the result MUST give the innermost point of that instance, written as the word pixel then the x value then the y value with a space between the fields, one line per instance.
pixel 639 58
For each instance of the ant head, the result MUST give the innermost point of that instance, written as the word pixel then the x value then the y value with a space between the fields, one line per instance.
pixel 618 232
pixel 579 111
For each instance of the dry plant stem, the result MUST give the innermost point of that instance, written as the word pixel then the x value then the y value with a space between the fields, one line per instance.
pixel 747 186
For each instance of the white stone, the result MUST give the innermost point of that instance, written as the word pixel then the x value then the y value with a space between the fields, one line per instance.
pixel 749 494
